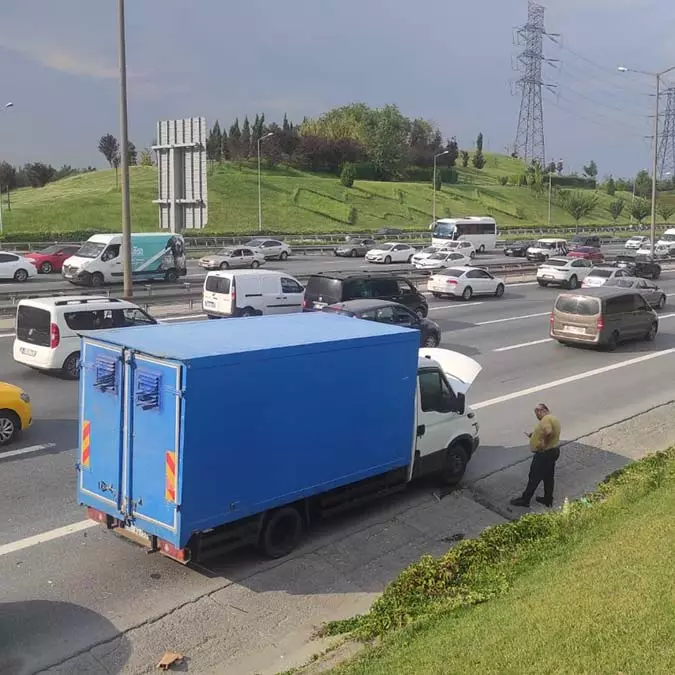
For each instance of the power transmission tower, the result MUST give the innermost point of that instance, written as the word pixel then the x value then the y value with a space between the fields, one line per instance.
pixel 529 144
pixel 666 152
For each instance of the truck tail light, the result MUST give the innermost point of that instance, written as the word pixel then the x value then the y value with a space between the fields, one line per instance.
pixel 54 336
pixel 552 319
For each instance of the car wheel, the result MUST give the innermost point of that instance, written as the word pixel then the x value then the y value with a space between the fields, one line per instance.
pixel 283 256
pixel 468 293
pixel 353 253
pixel 20 275
pixel 387 260
pixel 481 249
pixel 96 279
pixel 455 464
pixel 410 259
pixel 436 295
pixel 46 268
pixel 224 265
pixel 281 532
pixel 500 290
pixel 71 366
pixel 10 426
pixel 255 264
pixel 472 255
pixel 573 282
pixel 612 342
pixel 662 302
pixel 171 276
pixel 248 311
pixel 651 334
pixel 422 312
pixel 543 284
pixel 431 341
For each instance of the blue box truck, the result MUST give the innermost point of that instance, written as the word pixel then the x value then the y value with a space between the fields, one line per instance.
pixel 199 437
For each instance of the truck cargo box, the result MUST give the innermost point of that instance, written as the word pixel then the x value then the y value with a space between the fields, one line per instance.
pixel 188 426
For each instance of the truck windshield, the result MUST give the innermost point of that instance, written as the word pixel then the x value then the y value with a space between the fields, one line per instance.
pixel 90 249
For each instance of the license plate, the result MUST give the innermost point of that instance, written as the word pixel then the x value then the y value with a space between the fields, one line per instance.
pixel 208 303
pixel 28 352
pixel 575 329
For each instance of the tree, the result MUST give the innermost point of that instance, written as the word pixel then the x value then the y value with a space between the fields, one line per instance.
pixel 234 142
pixel 591 170
pixel 7 177
pixel 616 209
pixel 39 174
pixel 478 158
pixel 479 144
pixel 579 204
pixel 643 184
pixel 146 157
pixel 348 175
pixel 551 168
pixel 386 141
pixel 133 154
pixel 109 148
pixel 465 158
pixel 438 184
pixel 246 138
pixel 453 152
pixel 559 167
pixel 665 210
pixel 640 209
pixel 610 186
pixel 214 143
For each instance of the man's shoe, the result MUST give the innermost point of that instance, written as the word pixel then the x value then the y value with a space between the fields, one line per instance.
pixel 545 502
pixel 519 501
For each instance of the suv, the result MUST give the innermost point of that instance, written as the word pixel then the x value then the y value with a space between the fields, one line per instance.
pixel 327 289
pixel 586 240
pixel 48 329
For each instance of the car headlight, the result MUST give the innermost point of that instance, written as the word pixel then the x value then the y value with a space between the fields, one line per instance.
pixel 24 397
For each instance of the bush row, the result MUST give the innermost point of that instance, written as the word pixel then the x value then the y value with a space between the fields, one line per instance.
pixel 476 570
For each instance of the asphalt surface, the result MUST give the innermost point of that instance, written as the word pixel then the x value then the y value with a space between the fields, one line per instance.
pixel 80 589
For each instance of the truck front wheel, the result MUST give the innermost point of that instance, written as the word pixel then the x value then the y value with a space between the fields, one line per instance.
pixel 455 463
pixel 281 532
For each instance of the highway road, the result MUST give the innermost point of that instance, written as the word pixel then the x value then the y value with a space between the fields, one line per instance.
pixel 77 586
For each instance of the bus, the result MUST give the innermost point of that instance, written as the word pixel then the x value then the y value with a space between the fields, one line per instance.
pixel 480 231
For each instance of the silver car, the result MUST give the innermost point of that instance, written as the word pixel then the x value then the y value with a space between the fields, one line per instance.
pixel 232 258
pixel 355 247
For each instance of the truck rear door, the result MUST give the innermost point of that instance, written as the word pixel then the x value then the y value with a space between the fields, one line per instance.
pixel 154 408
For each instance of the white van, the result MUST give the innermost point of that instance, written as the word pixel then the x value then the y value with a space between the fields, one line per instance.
pixel 251 293
pixel 48 330
pixel 544 249
pixel 667 240
pixel 154 256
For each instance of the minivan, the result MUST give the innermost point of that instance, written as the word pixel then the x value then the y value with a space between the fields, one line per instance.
pixel 327 289
pixel 234 293
pixel 602 317
pixel 543 249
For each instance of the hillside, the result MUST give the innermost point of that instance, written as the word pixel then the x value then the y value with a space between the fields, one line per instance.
pixel 293 201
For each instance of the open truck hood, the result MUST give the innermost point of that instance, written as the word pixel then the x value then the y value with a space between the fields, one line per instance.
pixel 460 370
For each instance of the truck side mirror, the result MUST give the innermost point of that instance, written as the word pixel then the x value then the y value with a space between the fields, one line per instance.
pixel 460 406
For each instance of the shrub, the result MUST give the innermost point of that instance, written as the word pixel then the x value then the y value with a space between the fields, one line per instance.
pixel 503 180
pixel 348 175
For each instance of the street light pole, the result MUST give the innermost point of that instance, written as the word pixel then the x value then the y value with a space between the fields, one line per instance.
pixel 7 106
pixel 655 149
pixel 260 140
pixel 550 190
pixel 440 154
pixel 124 154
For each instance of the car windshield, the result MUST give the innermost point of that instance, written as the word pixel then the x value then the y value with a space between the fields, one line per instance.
pixel 50 250
pixel 90 249
pixel 556 262
pixel 546 244
pixel 668 236
pixel 439 256
pixel 605 274
pixel 338 310
pixel 578 304
pixel 452 244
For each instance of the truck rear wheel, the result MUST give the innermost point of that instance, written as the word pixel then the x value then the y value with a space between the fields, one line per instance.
pixel 281 532
pixel 455 463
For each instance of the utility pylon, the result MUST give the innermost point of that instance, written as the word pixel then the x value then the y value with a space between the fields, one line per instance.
pixel 529 144
pixel 666 151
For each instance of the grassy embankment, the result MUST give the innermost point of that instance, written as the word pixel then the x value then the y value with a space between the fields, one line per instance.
pixel 293 202
pixel 588 590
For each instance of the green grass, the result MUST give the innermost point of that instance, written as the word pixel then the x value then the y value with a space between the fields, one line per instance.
pixel 293 202
pixel 600 600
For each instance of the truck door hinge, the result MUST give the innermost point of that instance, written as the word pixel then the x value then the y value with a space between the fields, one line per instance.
pixel 421 430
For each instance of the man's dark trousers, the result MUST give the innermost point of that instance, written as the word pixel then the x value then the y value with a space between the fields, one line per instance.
pixel 542 469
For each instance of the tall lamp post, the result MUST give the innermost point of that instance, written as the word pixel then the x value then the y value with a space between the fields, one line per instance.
pixel 7 106
pixel 124 153
pixel 440 154
pixel 260 140
pixel 550 193
pixel 655 149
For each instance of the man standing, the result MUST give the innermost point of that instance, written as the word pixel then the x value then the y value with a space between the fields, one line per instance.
pixel 545 444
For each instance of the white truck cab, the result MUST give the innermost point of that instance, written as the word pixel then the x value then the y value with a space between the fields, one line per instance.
pixel 446 427
pixel 546 248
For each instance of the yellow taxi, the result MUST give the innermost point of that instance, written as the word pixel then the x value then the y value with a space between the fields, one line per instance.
pixel 15 412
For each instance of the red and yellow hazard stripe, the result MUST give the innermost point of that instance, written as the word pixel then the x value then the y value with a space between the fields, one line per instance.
pixel 86 441
pixel 170 484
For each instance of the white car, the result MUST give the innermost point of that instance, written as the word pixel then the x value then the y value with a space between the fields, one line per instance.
pixel 660 250
pixel 232 257
pixel 441 260
pixel 14 266
pixel 425 253
pixel 270 248
pixel 391 252
pixel 599 276
pixel 461 246
pixel 568 272
pixel 465 282
pixel 636 242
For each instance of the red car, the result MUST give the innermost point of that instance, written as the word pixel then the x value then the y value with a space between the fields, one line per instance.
pixel 52 258
pixel 587 253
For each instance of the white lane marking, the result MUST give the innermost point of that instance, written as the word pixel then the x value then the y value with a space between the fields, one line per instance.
pixel 513 318
pixel 2 335
pixel 26 451
pixel 44 537
pixel 181 317
pixel 572 378
pixel 459 304
pixel 667 316
pixel 523 344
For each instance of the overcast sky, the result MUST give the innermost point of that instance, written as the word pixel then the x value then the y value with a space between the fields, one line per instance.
pixel 445 60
